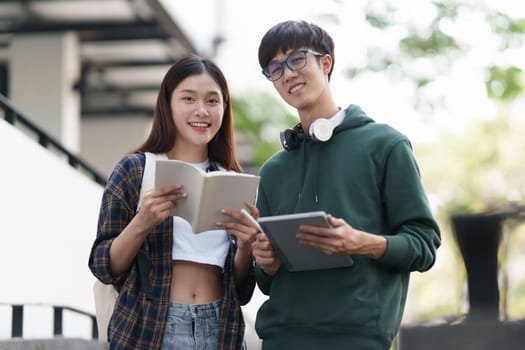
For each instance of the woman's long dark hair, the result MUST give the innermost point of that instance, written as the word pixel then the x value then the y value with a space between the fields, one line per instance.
pixel 221 148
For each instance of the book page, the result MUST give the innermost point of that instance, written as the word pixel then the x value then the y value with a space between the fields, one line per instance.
pixel 171 172
pixel 225 190
pixel 208 193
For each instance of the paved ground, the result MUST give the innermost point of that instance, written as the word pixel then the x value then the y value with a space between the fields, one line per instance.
pixel 50 344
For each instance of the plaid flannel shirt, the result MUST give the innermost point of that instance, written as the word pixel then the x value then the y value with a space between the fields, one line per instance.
pixel 139 317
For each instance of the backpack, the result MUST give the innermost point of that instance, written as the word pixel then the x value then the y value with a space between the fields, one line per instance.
pixel 106 294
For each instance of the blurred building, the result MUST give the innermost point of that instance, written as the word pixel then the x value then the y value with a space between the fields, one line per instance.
pixel 88 71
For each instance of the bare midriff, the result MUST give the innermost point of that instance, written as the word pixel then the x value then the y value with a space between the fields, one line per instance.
pixel 195 283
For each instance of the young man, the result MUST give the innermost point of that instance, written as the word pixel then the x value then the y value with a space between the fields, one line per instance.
pixel 364 176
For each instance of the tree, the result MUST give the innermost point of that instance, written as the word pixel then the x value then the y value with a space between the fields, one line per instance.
pixel 438 44
pixel 261 117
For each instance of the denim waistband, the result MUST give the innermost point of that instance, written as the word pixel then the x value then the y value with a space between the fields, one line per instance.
pixel 194 310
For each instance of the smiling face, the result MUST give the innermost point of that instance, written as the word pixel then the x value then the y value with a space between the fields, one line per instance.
pixel 306 89
pixel 197 107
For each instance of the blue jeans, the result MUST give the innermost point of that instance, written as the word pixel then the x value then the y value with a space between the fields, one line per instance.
pixel 192 327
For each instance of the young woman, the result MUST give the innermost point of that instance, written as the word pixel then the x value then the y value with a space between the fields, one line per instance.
pixel 177 289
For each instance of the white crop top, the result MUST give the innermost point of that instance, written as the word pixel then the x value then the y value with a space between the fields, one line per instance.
pixel 208 247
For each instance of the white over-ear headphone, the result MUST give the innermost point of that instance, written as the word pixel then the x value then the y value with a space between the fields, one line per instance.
pixel 322 129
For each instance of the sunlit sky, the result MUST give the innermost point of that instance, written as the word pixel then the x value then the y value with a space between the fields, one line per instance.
pixel 243 23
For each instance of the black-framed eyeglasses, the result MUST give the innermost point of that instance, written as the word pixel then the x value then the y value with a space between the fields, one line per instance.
pixel 295 60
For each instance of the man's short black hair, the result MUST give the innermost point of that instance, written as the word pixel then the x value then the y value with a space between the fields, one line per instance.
pixel 291 35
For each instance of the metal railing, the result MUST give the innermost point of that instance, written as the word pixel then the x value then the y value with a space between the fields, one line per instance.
pixel 13 117
pixel 17 319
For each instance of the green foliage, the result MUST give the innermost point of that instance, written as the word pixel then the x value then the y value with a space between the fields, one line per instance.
pixel 510 30
pixel 261 117
pixel 433 42
pixel 479 170
pixel 504 83
pixel 379 17
pixel 447 9
pixel 377 20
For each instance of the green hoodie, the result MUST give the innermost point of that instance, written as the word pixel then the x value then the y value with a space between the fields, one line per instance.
pixel 366 174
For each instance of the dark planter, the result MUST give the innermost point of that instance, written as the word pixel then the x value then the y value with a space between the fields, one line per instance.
pixel 478 237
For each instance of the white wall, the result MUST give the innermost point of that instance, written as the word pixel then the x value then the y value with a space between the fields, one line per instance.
pixel 48 217
pixel 105 140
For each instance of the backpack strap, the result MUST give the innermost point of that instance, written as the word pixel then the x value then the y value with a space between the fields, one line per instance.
pixel 147 176
pixel 143 261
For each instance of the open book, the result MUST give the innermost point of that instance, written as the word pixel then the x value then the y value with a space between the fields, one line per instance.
pixel 208 193
pixel 281 231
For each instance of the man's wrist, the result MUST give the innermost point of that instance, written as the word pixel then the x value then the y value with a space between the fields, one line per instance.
pixel 377 247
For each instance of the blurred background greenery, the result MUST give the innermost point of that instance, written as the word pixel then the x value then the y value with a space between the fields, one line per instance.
pixel 479 170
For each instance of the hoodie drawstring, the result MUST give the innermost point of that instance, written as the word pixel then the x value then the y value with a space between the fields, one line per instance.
pixel 315 166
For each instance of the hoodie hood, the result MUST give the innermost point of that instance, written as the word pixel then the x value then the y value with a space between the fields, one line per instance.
pixel 355 117
pixel 308 151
